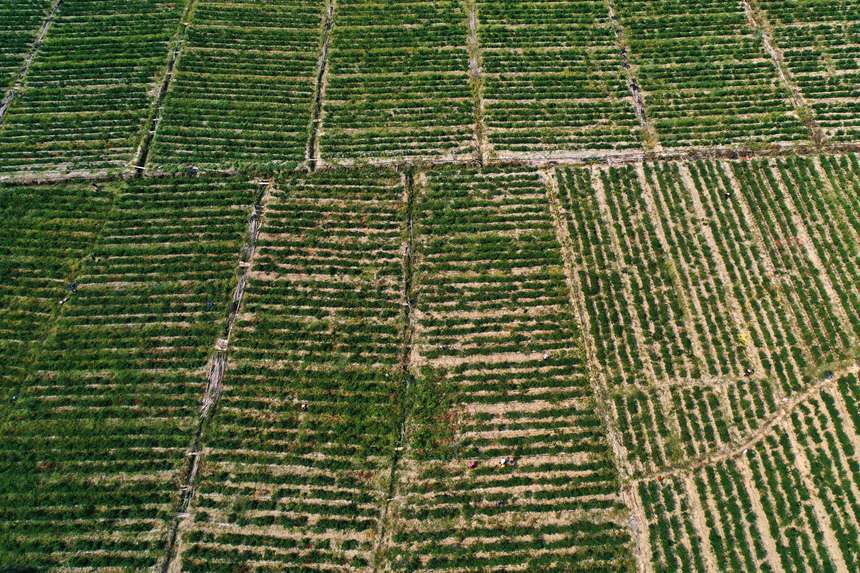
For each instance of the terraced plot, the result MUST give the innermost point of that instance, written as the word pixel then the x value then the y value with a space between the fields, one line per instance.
pixel 819 43
pixel 244 86
pixel 705 75
pixel 88 92
pixel 508 466
pixel 297 461
pixel 20 24
pixel 398 84
pixel 95 443
pixel 553 78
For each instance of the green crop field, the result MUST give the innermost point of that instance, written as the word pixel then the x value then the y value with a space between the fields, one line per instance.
pixel 430 285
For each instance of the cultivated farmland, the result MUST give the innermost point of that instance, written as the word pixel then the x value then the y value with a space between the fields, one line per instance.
pixel 429 285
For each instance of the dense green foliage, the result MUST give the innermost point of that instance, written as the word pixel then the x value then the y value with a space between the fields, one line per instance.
pixel 398 84
pixel 19 24
pixel 88 92
pixel 553 77
pixel 95 441
pixel 243 87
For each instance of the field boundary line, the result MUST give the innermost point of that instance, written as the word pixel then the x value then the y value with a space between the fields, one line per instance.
pixel 406 364
pixel 738 447
pixel 757 18
pixel 649 133
pixel 215 376
pixel 156 109
pixel 312 151
pixel 483 150
pixel 535 161
pixel 18 84
pixel 637 523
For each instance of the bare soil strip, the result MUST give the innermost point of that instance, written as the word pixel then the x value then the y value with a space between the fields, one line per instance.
pixel 157 108
pixel 28 61
pixel 407 367
pixel 312 154
pixel 473 46
pixel 758 20
pixel 649 133
pixel 217 368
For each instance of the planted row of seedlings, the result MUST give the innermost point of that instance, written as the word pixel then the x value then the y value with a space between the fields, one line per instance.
pixel 398 83
pixel 507 465
pixel 19 25
pixel 87 95
pixel 45 234
pixel 244 86
pixel 96 441
pixel 297 459
pixel 705 75
pixel 787 504
pixel 712 291
pixel 553 78
pixel 818 42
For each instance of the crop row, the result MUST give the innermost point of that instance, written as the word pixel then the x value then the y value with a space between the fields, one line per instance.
pixel 819 42
pixel 397 82
pixel 19 24
pixel 705 75
pixel 87 94
pixel 788 504
pixel 297 460
pixel 244 85
pixel 553 79
pixel 95 443
pixel 508 466
pixel 712 291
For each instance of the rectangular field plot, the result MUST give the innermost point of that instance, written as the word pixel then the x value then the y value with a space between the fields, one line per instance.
pixel 94 446
pixel 45 234
pixel 819 42
pixel 553 78
pixel 244 85
pixel 713 292
pixel 507 465
pixel 705 75
pixel 297 461
pixel 19 23
pixel 89 90
pixel 398 84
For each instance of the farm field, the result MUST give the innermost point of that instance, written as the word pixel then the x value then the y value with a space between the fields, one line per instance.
pixel 429 285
